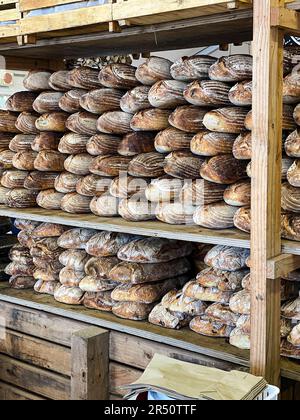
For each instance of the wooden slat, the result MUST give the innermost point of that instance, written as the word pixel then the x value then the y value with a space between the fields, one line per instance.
pixel 122 375
pixel 27 5
pixel 12 393
pixel 33 379
pixel 282 265
pixel 36 352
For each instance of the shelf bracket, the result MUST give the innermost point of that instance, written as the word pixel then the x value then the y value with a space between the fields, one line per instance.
pixel 282 266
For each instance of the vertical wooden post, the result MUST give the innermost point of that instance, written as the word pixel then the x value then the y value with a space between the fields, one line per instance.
pixel 90 365
pixel 266 190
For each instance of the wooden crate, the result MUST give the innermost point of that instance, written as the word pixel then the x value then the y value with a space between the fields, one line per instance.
pixel 9 11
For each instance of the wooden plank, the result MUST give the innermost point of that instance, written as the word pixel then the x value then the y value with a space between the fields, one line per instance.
pixel 35 351
pixel 288 20
pixel 38 324
pixel 14 63
pixel 90 365
pixel 122 375
pixel 33 379
pixel 266 161
pixel 27 5
pixel 12 393
pixel 282 265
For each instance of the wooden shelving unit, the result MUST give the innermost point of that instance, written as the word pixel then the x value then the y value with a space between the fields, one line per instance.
pixel 266 23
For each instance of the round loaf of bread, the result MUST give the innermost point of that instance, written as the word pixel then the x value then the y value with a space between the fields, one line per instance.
pixel 171 139
pixel 40 180
pixel 207 143
pixel 103 145
pixel 49 199
pixel 227 258
pixel 93 206
pixel 45 141
pixel 192 68
pixel 167 94
pixel 292 144
pixel 119 76
pixel 126 186
pixel 223 170
pixel 73 143
pixel 5 139
pixel 136 143
pixel 183 165
pixel 82 123
pixel 8 122
pixel 297 114
pixel 207 93
pixel 241 94
pixel 24 161
pixel 84 78
pixel 6 159
pixel 37 80
pixel 293 175
pixel 21 198
pixel 70 101
pixel 201 192
pixel 132 310
pixel 74 258
pixel 147 165
pixel 13 179
pixel 26 225
pixel 76 204
pixel 242 148
pixel 47 102
pixel 164 189
pixel 153 119
pixel 70 278
pixel 291 87
pixel 100 101
pixel 238 194
pixel 226 120
pixel 56 121
pixel 4 194
pixel 17 269
pixel 188 118
pixel 49 161
pixel 79 164
pixel 66 182
pixel 136 100
pixel 105 206
pixel 290 198
pixel 153 70
pixel 21 101
pixel 58 81
pixel 234 68
pixel 215 216
pixel 242 219
pixel 45 287
pixel 22 143
pixel 26 123
pixel 109 165
pixel 137 209
pixel 176 213
pixel 116 122
pixel 240 303
pixel 93 185
pixel 76 238
pixel 69 295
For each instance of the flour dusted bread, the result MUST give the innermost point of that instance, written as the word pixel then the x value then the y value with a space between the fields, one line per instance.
pixel 50 199
pixel 46 141
pixel 101 301
pixel 193 290
pixel 66 182
pixel 147 165
pixel 167 94
pixel 116 122
pixel 127 186
pixel 222 313
pixel 238 194
pixel 292 144
pixel 47 102
pixel 285 166
pixel 25 225
pixel 154 250
pixel 177 303
pixel 13 179
pixel 242 219
pixel 93 185
pixel 188 118
pixel 17 269
pixel 24 160
pixel 109 165
pixel 20 254
pixel 136 209
pixel 76 238
pixel 290 198
pixel 100 267
pixel 21 101
pixel 8 122
pixel 135 100
pixel 120 76
pixel 207 143
pixel 21 142
pixel 48 230
pixel 49 161
pixel 227 258
pixel 72 143
pixel 107 244
pixel 45 287
pixel 183 164
pixel 75 203
pixel 172 139
pixel 226 120
pixel 215 216
pixel 290 227
pixel 21 198
pixel 105 206
pixel 291 87
pixel 21 282
pixel 225 281
pixel 75 259
pixel 58 81
pixel 37 80
pixel 291 309
pixel 240 303
pixel 79 164
pixel 82 123
pixel 165 318
pixel 70 101
pixel 192 68
pixel 153 119
pixel 234 68
pixel 3 194
pixel 5 139
pixel 153 70
pixel 103 145
pixel 207 93
pixel 242 148
pixel 223 170
pixel 176 213
pixel 240 339
pixel 241 94
pixel 132 310
pixel 164 189
pixel 201 192
pixel 294 337
pixel 55 121
pixel 101 100
pixel 84 78
pixel 39 181
pixel 293 174
pixel 210 328
pixel 92 284
pixel 26 123
pixel 136 143
pixel 69 295
pixel 70 278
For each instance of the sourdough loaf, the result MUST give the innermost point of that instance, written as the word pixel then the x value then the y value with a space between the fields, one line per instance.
pixel 290 227
pixel 207 93
pixel 21 101
pixel 76 204
pixel 24 161
pixel 226 120
pixel 153 70
pixel 8 122
pixel 127 186
pixel 49 161
pixel 103 145
pixel 70 278
pixel 132 310
pixel 58 81
pixel 21 198
pixel 40 180
pixel 291 87
pixel 69 295
pixel 135 100
pixel 293 175
pixel 292 144
pixel 222 313
pixel 165 318
pixel 153 119
pixel 242 219
pixel 47 102
pixel 20 254
pixel 285 166
pixel 84 78
pixel 176 302
pixel 91 284
pixel 101 100
pixel 192 68
pixel 26 123
pixel 207 143
pixel 56 122
pixel 201 192
pixel 176 213
pixel 21 142
pixel 13 179
pixel 136 143
pixel 242 148
pixel 45 287
pixel 82 123
pixel 294 337
pixel 206 294
pixel 136 209
pixel 76 238
pixel 50 199
pixel 238 194
pixel 37 80
pixel 25 238
pixel 240 339
pixel 210 328
pixel 172 139
pixel 107 244
pixel 116 122
pixel 240 303
pixel 17 269
pixel 105 206
pixel 66 182
pixel 290 198
pixel 21 282
pixel 93 185
pixel 70 101
pixel 188 118
pixel 291 309
pixel 79 164
pixel 74 258
pixel 48 230
pixel 241 94
pixel 109 165
pixel 288 120
pixel 234 68
pixel 120 76
pixel 101 301
pixel 73 144
pixel 5 138
pixel 26 225
pixel 4 195
pixel 164 189
pixel 147 165
pixel 225 281
pixel 227 258
pixel 183 164
pixel 100 267
pixel 223 170
pixel 167 94
pixel 45 141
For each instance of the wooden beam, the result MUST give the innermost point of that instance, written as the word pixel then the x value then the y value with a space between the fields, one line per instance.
pixel 282 265
pixel 90 365
pixel 287 20
pixel 266 191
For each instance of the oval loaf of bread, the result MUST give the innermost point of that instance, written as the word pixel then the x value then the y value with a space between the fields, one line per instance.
pixel 100 101
pixel 153 70
pixel 207 93
pixel 192 68
pixel 215 216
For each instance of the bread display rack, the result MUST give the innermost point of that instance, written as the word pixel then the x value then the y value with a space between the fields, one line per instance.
pixel 166 25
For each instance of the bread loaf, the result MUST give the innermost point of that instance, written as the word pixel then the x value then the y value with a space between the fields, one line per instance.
pixel 226 120
pixel 21 101
pixel 93 185
pixel 76 238
pixel 288 122
pixel 238 194
pixel 116 122
pixel 56 122
pixel 17 269
pixel 21 142
pixel 51 264
pixel 5 138
pixel 176 213
pixel 293 174
pixel 26 225
pixel 242 219
pixel 13 179
pixel 227 258
pixel 24 161
pixel 37 80
pixel 105 206
pixel 132 310
pixel 76 204
pixel 50 199
pixel 154 250
pixel 225 281
pixel 107 244
pixel 167 94
pixel 207 143
pixel 291 310
pixel 290 227
pixel 69 295
pixel 58 81
pixel 6 160
pixel 153 119
pixel 47 102
pixel 223 170
pixel 292 144
pixel 25 238
pixel 240 303
pixel 126 186
pixel 193 290
pixel 242 148
pixel 20 254
pixel 79 164
pixel 215 216
pixel 192 68
pixel 101 100
pixel 136 143
pixel 4 194
pixel 101 301
pixel 240 339
pixel 21 198
pixel 135 100
pixel 73 144
pixel 109 165
pixel 183 164
pixel 21 282
pixel 201 192
pixel 136 209
pixel 100 268
pixel 8 122
pixel 66 182
pixel 45 287
pixel 207 93
pixel 26 123
pixel 45 141
pixel 164 189
pixel 103 145
pixel 75 259
pixel 84 78
pixel 70 101
pixel 147 165
pixel 234 68
pixel 162 317
pixel 172 139
pixel 97 285
pixel 82 123
pixel 294 337
pixel 241 94
pixel 290 198
pixel 153 70
pixel 221 313
pixel 70 278
pixel 48 230
pixel 291 87
pixel 49 161
pixel 176 302
pixel 40 180
pixel 120 76
pixel 188 118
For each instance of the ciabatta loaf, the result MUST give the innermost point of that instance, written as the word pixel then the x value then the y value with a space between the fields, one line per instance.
pixel 153 119
pixel 101 100
pixel 242 219
pixel 226 120
pixel 164 189
pixel 37 80
pixel 223 170
pixel 172 139
pixel 153 70
pixel 227 258
pixel 82 123
pixel 188 118
pixel 120 76
pixel 39 181
pixel 84 78
pixel 192 68
pixel 66 182
pixel 207 93
pixel 79 164
pixel 49 161
pixel 148 165
pixel 201 192
pixel 73 144
pixel 76 238
pixel 207 143
pixel 50 199
pixel 136 143
pixel 8 122
pixel 46 141
pixel 26 123
pixel 76 203
pixel 242 148
pixel 56 121
pixel 107 244
pixel 109 165
pixel 183 165
pixel 47 102
pixel 58 81
pixel 24 161
pixel 13 179
pixel 234 68
pixel 70 101
pixel 69 295
pixel 176 213
pixel 127 186
pixel 225 281
pixel 21 198
pixel 136 100
pixel 21 101
pixel 6 159
pixel 103 145
pixel 241 94
pixel 105 206
pixel 22 142
pixel 136 209
pixel 167 94
pixel 238 194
